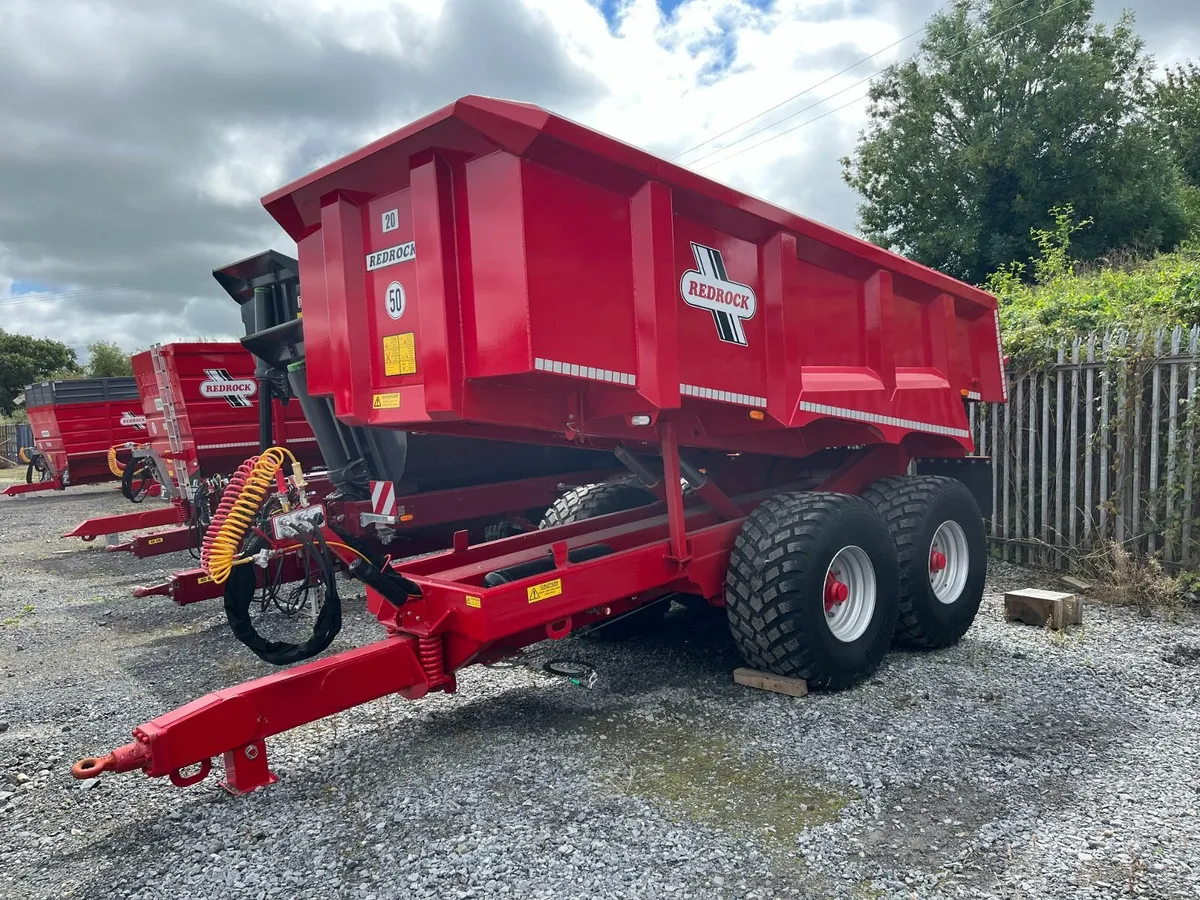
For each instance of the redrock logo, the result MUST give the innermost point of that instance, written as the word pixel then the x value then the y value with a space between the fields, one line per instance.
pixel 236 391
pixel 132 420
pixel 708 287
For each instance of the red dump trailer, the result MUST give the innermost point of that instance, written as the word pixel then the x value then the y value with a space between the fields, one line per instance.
pixel 790 402
pixel 74 424
pixel 201 410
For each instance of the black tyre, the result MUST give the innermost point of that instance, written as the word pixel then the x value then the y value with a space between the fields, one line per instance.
pixel 591 500
pixel 600 499
pixel 942 548
pixel 784 615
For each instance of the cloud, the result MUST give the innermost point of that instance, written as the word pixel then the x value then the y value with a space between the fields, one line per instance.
pixel 139 140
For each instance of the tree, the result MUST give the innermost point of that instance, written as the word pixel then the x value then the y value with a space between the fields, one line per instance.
pixel 1012 109
pixel 25 360
pixel 108 361
pixel 1176 116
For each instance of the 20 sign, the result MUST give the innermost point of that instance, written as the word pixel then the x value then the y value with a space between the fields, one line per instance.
pixel 390 220
pixel 394 300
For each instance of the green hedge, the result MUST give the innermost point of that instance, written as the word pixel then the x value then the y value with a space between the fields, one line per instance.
pixel 1063 300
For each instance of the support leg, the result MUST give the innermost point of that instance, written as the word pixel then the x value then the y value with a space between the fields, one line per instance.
pixel 674 488
pixel 246 769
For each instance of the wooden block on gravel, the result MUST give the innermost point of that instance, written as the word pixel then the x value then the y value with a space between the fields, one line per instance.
pixel 1034 606
pixel 765 681
pixel 1075 584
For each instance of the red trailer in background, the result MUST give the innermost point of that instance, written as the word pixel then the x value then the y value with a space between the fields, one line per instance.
pixel 200 404
pixel 497 271
pixel 200 400
pixel 74 424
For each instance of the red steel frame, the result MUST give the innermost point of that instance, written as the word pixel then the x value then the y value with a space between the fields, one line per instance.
pixel 457 622
pixel 857 352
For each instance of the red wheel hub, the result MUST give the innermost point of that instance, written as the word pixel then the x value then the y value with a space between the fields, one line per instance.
pixel 937 561
pixel 836 592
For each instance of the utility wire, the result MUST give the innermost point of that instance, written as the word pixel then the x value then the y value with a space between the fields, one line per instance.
pixel 779 134
pixel 809 89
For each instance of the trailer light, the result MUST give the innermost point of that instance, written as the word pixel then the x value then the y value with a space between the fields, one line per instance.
pixel 757 415
pixel 639 420
pixel 407 517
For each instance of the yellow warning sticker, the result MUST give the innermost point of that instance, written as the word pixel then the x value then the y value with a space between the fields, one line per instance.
pixel 544 590
pixel 474 601
pixel 204 579
pixel 154 541
pixel 386 401
pixel 399 354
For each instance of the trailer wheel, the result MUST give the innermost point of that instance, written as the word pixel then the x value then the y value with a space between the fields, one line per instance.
pixel 588 501
pixel 940 541
pixel 811 589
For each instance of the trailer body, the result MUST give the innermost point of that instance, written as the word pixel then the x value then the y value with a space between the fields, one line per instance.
pixel 493 252
pixel 201 403
pixel 792 401
pixel 75 422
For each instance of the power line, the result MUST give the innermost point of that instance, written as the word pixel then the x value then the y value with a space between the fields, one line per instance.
pixel 780 134
pixel 809 89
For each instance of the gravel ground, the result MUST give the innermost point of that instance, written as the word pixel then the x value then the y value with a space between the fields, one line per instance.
pixel 1016 764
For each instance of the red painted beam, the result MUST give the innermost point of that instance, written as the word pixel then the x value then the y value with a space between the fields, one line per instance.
pixel 148 518
pixel 235 721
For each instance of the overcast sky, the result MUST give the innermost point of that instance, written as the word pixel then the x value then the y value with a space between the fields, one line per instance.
pixel 139 135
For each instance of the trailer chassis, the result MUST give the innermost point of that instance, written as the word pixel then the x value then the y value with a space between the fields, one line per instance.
pixel 449 620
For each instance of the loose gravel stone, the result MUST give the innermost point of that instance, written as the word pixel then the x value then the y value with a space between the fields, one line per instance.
pixel 1019 763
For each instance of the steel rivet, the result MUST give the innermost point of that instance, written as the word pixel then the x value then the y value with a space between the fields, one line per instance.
pixel 252 752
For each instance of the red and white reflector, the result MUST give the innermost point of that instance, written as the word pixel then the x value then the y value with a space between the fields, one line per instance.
pixel 383 498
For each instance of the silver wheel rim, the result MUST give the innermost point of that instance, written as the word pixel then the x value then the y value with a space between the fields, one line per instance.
pixel 949 562
pixel 849 618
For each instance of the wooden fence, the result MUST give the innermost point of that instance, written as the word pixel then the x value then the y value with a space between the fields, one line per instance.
pixel 1100 447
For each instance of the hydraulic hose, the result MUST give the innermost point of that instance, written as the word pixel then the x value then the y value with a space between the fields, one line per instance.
pixel 240 504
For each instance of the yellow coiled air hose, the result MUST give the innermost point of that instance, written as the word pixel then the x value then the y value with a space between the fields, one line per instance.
pixel 240 504
pixel 117 468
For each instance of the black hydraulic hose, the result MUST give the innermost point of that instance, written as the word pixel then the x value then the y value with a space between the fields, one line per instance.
pixel 239 594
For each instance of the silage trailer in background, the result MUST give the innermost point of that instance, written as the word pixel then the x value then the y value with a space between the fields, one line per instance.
pixel 74 424
pixel 499 272
pixel 202 408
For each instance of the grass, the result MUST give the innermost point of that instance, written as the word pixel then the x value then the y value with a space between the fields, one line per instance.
pixel 14 621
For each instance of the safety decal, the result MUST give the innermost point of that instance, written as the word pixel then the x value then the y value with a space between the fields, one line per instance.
pixel 474 602
pixel 383 498
pixel 386 401
pixel 236 391
pixel 544 590
pixel 399 354
pixel 393 300
pixel 129 419
pixel 154 541
pixel 709 287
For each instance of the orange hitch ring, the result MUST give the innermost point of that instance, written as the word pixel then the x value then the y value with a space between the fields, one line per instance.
pixel 91 766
